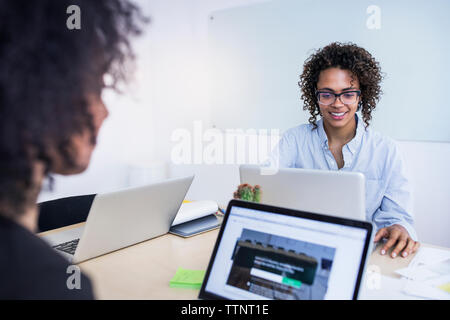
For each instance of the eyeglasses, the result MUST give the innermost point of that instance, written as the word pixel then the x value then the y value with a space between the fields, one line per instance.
pixel 348 97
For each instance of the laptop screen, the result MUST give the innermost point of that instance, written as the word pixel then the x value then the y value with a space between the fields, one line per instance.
pixel 268 255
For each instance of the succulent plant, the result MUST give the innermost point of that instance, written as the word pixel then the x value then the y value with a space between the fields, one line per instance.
pixel 248 193
pixel 257 194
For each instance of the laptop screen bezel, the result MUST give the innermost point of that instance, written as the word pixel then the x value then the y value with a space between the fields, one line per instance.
pixel 288 212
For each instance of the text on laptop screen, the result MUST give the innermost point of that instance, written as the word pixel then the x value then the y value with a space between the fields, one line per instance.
pixel 265 255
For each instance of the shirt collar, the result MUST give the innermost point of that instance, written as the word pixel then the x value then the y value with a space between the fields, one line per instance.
pixel 353 145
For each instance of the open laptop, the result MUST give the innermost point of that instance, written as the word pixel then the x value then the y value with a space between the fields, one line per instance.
pixel 267 252
pixel 328 192
pixel 123 218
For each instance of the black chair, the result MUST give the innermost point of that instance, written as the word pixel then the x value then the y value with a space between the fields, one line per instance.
pixel 63 212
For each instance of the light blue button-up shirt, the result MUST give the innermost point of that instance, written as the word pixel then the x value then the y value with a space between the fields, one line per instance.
pixel 388 189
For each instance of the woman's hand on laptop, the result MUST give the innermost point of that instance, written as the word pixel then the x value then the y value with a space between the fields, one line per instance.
pixel 397 237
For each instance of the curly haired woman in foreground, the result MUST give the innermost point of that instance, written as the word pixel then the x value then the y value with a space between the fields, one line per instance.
pixel 337 81
pixel 51 80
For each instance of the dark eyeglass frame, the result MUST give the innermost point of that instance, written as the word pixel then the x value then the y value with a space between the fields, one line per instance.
pixel 336 95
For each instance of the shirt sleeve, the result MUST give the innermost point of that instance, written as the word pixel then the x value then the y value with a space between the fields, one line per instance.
pixel 397 203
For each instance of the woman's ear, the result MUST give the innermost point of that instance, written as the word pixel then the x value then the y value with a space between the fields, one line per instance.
pixel 359 104
pixel 318 111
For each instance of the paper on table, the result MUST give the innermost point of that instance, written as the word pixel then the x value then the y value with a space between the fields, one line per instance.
pixel 430 289
pixel 427 256
pixel 425 263
pixel 429 274
pixel 194 210
pixel 420 273
pixel 386 288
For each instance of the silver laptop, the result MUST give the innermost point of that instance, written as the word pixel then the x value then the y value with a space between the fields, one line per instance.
pixel 267 252
pixel 328 192
pixel 123 218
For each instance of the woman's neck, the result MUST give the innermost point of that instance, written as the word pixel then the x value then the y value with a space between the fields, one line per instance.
pixel 340 136
pixel 29 218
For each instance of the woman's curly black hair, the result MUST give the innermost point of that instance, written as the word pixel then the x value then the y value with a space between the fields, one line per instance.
pixel 46 73
pixel 346 56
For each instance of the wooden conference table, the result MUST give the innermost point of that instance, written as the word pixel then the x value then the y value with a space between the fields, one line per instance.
pixel 143 271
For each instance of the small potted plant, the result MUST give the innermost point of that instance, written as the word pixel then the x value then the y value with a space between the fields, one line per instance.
pixel 248 193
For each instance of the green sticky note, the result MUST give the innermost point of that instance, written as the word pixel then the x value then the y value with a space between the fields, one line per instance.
pixel 185 278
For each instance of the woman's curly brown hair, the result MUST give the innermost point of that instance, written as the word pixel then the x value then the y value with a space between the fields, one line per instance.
pixel 346 56
pixel 46 73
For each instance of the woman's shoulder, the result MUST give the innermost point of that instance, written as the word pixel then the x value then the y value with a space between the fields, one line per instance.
pixel 32 269
pixel 294 138
pixel 300 131
pixel 21 244
pixel 379 140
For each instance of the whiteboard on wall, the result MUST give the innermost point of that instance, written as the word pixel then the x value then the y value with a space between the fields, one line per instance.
pixel 257 54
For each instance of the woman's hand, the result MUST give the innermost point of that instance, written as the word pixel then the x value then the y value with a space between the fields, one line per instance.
pixel 397 236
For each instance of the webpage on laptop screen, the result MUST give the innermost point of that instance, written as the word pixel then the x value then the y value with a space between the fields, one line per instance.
pixel 264 255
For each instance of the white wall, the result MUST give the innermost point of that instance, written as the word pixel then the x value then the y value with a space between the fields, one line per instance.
pixel 170 91
pixel 428 164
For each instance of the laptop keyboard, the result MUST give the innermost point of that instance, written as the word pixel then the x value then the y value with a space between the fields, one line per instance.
pixel 68 247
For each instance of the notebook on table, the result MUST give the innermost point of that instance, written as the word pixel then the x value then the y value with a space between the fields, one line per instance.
pixel 195 217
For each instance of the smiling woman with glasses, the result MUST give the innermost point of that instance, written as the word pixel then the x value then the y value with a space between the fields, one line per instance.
pixel 338 81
